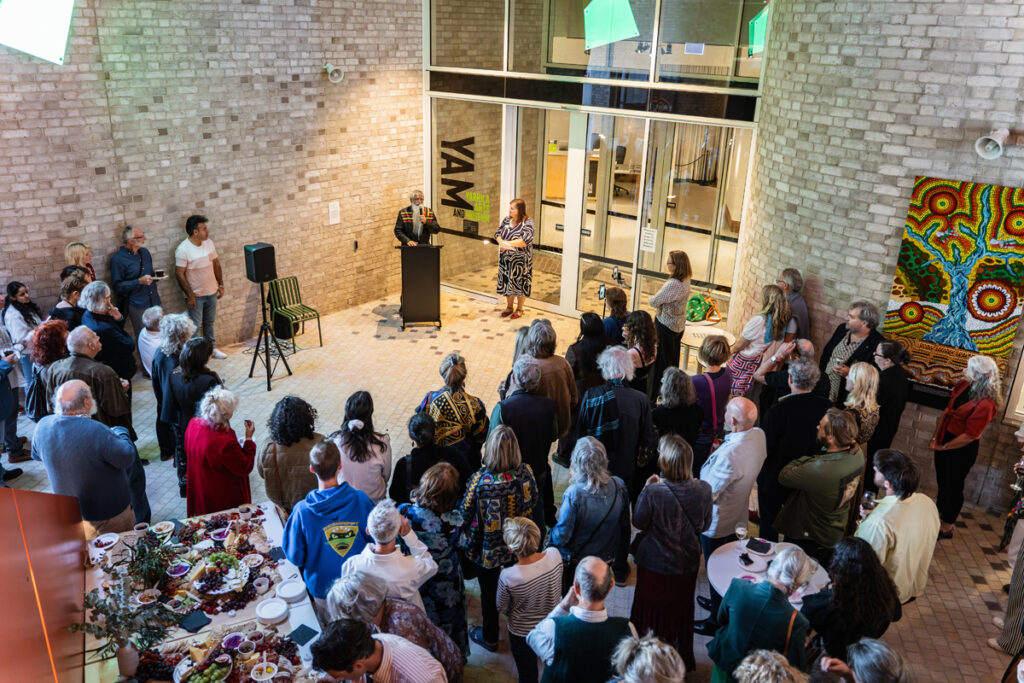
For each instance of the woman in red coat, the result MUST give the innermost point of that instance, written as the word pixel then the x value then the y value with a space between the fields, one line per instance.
pixel 218 467
pixel 972 405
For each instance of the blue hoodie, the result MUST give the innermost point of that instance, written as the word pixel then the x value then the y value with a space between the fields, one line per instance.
pixel 323 531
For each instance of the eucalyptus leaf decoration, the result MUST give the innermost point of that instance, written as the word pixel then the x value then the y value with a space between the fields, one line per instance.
pixel 112 618
pixel 146 561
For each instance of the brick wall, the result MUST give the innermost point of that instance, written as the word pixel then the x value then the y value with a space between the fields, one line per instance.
pixel 221 108
pixel 859 98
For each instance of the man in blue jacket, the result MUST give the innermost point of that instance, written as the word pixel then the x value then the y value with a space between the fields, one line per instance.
pixel 328 526
pixel 132 275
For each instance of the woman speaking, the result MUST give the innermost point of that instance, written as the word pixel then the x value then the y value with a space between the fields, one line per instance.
pixel 515 257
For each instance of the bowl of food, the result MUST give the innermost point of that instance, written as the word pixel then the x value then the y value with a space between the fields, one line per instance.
pixel 178 568
pixel 220 534
pixel 272 611
pixel 253 560
pixel 232 640
pixel 264 671
pixel 147 597
pixel 163 528
pixel 291 591
pixel 104 542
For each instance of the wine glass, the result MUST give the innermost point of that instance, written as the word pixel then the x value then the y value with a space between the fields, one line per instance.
pixel 741 531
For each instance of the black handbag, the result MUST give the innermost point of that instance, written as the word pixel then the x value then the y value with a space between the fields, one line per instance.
pixel 36 407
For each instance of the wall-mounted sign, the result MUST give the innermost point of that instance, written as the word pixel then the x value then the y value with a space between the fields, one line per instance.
pixel 457 161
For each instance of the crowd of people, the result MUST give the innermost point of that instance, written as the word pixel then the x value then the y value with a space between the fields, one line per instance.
pixel 662 467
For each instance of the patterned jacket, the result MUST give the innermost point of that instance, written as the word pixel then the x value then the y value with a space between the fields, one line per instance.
pixel 489 500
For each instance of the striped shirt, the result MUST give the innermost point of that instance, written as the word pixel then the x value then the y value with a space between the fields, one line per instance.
pixel 528 592
pixel 404 662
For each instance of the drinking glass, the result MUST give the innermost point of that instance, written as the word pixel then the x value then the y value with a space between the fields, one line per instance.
pixel 741 532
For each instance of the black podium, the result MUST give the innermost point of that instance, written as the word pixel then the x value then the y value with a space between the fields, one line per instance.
pixel 421 285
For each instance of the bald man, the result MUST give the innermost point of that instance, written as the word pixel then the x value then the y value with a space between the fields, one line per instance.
pixel 96 464
pixel 731 471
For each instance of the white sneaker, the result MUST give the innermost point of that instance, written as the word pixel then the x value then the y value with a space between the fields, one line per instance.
pixel 998 621
pixel 219 355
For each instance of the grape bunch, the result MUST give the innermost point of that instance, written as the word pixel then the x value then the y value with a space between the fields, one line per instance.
pixel 153 667
pixel 288 649
pixel 217 522
pixel 211 580
pixel 239 600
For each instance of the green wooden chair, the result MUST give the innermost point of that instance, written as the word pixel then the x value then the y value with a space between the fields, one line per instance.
pixel 286 302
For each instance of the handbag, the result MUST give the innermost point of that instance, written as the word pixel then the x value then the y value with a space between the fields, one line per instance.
pixel 716 440
pixel 789 634
pixel 701 307
pixel 36 407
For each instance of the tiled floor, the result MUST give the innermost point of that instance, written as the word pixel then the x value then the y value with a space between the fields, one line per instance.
pixel 942 634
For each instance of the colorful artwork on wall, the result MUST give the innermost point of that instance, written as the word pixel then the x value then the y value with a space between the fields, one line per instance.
pixel 959 283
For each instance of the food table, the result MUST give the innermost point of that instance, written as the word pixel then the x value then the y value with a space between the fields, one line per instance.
pixel 724 565
pixel 227 568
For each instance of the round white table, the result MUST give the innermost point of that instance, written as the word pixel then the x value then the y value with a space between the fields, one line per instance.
pixel 724 566
pixel 695 334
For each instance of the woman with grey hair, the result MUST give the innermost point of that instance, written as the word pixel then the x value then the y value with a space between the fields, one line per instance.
pixel 647 660
pixel 403 574
pixel 853 342
pixel 759 616
pixel 103 318
pixel 363 597
pixel 149 338
pixel 677 411
pixel 869 661
pixel 218 466
pixel 621 418
pixel 973 403
pixel 557 380
pixel 175 330
pixel 594 516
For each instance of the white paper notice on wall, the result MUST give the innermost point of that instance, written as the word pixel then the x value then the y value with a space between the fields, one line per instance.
pixel 693 48
pixel 648 239
pixel 333 213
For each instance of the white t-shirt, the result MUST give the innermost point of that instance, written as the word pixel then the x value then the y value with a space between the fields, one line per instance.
pixel 198 265
pixel 149 342
pixel 754 331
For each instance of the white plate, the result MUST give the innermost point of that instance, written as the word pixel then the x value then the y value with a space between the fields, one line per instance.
pixel 759 564
pixel 771 550
pixel 162 528
pixel 253 560
pixel 272 611
pixel 291 591
pixel 104 542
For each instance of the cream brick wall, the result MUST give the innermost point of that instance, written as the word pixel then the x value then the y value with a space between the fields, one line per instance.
pixel 220 108
pixel 859 98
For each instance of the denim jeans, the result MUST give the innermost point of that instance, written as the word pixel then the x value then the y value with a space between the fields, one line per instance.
pixel 203 315
pixel 11 440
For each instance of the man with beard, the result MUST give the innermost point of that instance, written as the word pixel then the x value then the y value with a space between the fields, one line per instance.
pixel 416 223
pixel 824 487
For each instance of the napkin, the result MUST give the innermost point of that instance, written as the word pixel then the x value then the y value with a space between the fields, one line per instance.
pixel 194 621
pixel 302 635
pixel 276 553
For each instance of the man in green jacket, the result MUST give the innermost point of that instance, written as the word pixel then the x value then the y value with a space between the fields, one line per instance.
pixel 824 487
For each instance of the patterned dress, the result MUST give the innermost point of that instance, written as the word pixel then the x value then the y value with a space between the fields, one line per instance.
pixel 515 266
pixel 444 595
pixel 406 620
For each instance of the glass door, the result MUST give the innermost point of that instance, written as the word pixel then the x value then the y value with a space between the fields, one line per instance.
pixel 613 168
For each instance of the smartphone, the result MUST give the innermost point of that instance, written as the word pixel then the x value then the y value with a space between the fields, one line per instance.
pixel 745 559
pixel 600 293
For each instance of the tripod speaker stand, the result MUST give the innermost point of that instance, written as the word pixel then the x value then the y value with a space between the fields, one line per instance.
pixel 262 350
pixel 261 267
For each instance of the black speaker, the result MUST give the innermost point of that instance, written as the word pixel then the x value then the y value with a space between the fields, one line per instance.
pixel 260 265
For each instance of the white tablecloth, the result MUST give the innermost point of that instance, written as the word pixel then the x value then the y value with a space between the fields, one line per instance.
pixel 724 566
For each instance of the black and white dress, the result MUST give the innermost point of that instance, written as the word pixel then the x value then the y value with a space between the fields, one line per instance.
pixel 515 266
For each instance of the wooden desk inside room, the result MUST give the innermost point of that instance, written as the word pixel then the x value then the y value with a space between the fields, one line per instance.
pixel 557 162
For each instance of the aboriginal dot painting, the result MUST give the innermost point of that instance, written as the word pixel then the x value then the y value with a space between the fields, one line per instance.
pixel 959 280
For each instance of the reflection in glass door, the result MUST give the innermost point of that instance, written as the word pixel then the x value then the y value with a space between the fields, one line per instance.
pixel 612 189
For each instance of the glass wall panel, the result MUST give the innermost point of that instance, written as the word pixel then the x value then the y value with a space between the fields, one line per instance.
pixel 611 187
pixel 557 41
pixel 466 189
pixel 710 40
pixel 467 34
pixel 542 152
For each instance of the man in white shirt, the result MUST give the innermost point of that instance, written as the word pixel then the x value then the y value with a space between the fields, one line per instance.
pixel 198 272
pixel 577 639
pixel 731 471
pixel 403 574
pixel 347 651
pixel 903 526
